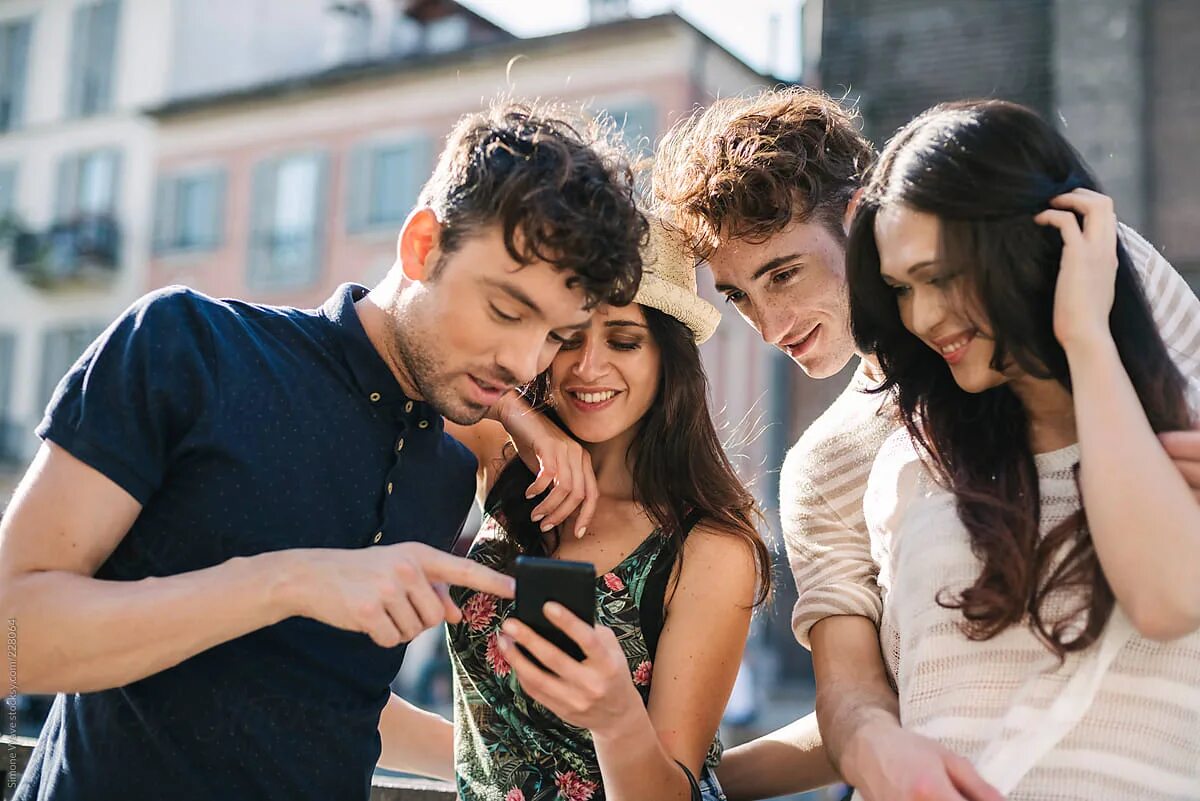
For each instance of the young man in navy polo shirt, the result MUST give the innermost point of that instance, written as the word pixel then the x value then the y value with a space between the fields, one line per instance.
pixel 239 513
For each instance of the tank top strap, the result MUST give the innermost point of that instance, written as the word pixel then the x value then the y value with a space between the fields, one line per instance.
pixel 652 609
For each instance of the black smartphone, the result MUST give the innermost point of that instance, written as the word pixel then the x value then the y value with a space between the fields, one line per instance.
pixel 572 584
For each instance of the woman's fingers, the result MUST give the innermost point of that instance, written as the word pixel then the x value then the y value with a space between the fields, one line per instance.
pixel 554 658
pixel 591 494
pixel 543 480
pixel 1099 214
pixel 567 497
pixel 583 634
pixel 543 686
pixel 1064 221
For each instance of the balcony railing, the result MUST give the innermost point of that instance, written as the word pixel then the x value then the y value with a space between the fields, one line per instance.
pixel 17 750
pixel 82 250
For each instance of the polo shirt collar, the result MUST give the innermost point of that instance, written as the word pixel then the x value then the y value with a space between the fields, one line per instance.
pixel 370 371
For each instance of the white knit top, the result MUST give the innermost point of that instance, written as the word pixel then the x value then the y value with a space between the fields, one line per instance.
pixel 1140 739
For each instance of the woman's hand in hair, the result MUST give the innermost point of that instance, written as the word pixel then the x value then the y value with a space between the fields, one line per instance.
pixel 559 463
pixel 596 694
pixel 1083 297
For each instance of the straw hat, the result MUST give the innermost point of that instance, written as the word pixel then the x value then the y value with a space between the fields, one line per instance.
pixel 669 282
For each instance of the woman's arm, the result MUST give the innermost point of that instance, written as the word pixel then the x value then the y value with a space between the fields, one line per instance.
pixel 558 462
pixel 788 760
pixel 1144 520
pixel 698 656
pixel 415 741
pixel 486 440
pixel 699 652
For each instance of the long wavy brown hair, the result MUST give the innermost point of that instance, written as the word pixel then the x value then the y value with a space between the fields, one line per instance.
pixel 985 168
pixel 680 470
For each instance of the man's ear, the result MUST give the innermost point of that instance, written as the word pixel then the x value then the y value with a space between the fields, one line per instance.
pixel 851 209
pixel 417 248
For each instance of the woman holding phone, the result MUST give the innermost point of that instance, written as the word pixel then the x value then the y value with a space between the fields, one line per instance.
pixel 1039 552
pixel 680 567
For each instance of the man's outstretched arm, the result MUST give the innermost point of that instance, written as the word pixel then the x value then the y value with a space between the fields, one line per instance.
pixel 76 633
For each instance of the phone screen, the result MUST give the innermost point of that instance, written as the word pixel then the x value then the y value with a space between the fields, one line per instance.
pixel 572 584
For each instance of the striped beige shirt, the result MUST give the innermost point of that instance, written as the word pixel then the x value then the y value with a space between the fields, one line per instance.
pixel 1140 736
pixel 825 473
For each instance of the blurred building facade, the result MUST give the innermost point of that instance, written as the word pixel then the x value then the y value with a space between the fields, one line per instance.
pixel 271 149
pixel 279 191
pixel 1120 77
pixel 76 162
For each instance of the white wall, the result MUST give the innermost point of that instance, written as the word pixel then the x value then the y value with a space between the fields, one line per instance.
pixel 46 136
pixel 225 43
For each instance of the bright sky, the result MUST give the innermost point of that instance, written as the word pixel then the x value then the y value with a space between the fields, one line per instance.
pixel 765 33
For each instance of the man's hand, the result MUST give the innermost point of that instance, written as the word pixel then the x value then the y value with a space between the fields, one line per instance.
pixel 390 593
pixel 1184 449
pixel 886 763
pixel 557 461
pixel 861 727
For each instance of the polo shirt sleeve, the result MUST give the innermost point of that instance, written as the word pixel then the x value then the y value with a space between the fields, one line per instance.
pixel 138 391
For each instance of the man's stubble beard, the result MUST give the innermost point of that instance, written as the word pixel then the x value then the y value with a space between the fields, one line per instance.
pixel 430 379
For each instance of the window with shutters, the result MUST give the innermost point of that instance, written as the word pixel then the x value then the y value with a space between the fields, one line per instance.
pixel 385 179
pixel 88 184
pixel 288 212
pixel 93 57
pixel 189 211
pixel 14 61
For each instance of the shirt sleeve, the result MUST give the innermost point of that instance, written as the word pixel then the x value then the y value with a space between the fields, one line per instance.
pixel 1175 307
pixel 136 392
pixel 830 558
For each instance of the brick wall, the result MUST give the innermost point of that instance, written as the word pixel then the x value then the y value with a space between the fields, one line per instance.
pixel 1099 94
pixel 902 56
pixel 1173 125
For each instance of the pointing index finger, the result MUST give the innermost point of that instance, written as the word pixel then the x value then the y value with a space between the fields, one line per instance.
pixel 463 572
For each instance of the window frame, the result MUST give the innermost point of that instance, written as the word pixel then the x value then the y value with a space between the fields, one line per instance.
pixel 16 89
pixel 262 270
pixel 362 213
pixel 170 216
pixel 91 80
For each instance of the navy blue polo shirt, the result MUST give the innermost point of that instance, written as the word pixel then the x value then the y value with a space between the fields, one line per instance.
pixel 244 429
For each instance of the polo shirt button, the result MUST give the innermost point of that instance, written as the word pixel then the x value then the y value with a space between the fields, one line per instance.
pixel 378 536
pixel 389 488
pixel 375 396
pixel 423 424
pixel 400 445
pixel 408 407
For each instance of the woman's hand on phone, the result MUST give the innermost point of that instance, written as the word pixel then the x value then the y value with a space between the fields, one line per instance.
pixel 596 694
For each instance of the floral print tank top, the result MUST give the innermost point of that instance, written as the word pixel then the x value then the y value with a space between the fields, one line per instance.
pixel 508 747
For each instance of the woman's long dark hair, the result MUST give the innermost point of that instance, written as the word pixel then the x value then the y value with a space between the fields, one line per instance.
pixel 679 468
pixel 984 169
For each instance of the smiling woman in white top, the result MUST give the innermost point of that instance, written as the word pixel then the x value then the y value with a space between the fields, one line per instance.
pixel 1039 553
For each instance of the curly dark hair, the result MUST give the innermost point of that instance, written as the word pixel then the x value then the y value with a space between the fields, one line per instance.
pixel 748 167
pixel 558 184
pixel 984 169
